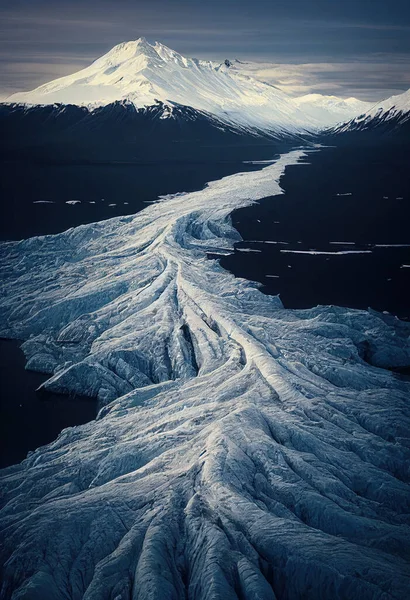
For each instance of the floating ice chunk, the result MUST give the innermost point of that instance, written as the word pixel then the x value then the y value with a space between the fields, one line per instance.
pixel 345 194
pixel 273 242
pixel 43 202
pixel 73 202
pixel 317 252
pixel 392 245
pixel 247 250
pixel 343 243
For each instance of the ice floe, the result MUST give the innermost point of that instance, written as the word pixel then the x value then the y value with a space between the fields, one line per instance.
pixel 329 253
pixel 247 250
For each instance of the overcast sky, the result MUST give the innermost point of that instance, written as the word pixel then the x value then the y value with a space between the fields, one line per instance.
pixel 344 47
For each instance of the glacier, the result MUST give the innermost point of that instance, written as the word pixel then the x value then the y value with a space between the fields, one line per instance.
pixel 241 451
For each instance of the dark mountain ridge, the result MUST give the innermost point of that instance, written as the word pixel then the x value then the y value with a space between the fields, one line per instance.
pixel 120 132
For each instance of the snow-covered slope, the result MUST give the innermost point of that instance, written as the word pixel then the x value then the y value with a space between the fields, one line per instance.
pixel 392 112
pixel 242 450
pixel 392 107
pixel 331 109
pixel 143 73
pixel 327 110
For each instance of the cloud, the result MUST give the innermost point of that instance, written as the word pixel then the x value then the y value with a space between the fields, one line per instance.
pixel 330 47
pixel 372 79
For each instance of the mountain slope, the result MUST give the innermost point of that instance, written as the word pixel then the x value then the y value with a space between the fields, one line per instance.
pixel 122 132
pixel 391 116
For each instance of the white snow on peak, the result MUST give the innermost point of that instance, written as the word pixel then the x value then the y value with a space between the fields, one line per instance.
pixel 242 450
pixel 331 109
pixel 394 107
pixel 143 73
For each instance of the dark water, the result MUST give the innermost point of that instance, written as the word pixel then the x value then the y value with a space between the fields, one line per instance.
pixel 30 419
pixel 313 214
pixel 34 196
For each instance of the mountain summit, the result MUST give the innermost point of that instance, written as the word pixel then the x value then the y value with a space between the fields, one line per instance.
pixel 144 73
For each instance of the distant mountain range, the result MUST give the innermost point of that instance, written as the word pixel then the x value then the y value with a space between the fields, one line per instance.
pixel 145 101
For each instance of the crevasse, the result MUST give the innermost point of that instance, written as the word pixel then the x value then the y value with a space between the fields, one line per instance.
pixel 242 450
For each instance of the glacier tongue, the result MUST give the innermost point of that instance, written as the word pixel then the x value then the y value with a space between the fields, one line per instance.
pixel 242 450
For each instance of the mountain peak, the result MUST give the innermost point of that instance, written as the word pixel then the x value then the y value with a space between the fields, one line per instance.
pixel 128 50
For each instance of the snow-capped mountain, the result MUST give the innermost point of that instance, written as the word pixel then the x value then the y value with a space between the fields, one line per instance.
pixel 390 114
pixel 143 73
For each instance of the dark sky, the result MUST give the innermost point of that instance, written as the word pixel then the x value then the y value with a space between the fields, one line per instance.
pixel 348 47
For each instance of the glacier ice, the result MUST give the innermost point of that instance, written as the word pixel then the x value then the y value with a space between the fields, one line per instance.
pixel 241 450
